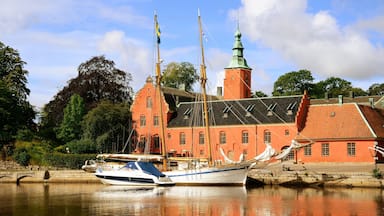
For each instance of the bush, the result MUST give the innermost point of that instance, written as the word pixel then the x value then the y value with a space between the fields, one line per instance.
pixel 377 173
pixel 70 161
pixel 83 146
pixel 24 135
pixel 22 157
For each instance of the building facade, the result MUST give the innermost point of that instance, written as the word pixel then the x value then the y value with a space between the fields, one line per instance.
pixel 241 127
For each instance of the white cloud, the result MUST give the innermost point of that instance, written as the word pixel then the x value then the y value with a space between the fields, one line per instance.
pixel 132 55
pixel 312 41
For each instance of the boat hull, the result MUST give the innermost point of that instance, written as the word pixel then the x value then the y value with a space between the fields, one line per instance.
pixel 135 174
pixel 210 176
pixel 112 178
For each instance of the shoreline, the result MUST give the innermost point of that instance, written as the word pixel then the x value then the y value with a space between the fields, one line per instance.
pixel 345 175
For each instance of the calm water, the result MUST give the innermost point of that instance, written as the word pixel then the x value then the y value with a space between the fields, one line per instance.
pixel 95 199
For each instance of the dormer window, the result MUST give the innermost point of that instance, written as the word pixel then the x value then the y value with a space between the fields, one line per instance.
pixel 226 111
pixel 271 109
pixel 249 110
pixel 290 108
pixel 187 113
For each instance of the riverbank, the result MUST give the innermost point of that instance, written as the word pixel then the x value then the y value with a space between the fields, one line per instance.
pixel 318 175
pixel 47 176
pixel 285 174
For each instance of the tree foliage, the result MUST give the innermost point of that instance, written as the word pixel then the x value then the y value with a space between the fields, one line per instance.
pixel 259 94
pixel 98 79
pixel 180 75
pixel 15 110
pixel 335 86
pixel 293 83
pixel 70 127
pixel 106 125
pixel 376 89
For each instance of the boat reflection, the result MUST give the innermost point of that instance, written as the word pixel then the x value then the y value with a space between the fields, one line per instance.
pixel 178 200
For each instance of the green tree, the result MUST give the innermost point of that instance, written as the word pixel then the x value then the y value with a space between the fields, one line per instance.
pixel 376 89
pixel 70 127
pixel 107 126
pixel 293 83
pixel 258 94
pixel 358 92
pixel 178 75
pixel 15 110
pixel 98 79
pixel 334 86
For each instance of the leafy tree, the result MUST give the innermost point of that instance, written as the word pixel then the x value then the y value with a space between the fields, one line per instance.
pixel 334 86
pixel 358 92
pixel 70 127
pixel 177 75
pixel 83 146
pixel 15 111
pixel 106 125
pixel 98 79
pixel 22 156
pixel 293 83
pixel 258 94
pixel 376 89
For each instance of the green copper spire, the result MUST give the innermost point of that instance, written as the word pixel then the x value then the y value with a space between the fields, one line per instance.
pixel 238 60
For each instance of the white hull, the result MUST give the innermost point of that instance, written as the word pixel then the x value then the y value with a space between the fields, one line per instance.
pixel 231 175
pixel 133 175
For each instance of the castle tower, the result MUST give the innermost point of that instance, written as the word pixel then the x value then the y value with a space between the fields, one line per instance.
pixel 237 81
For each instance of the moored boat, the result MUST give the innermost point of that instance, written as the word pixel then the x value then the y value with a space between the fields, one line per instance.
pixel 137 173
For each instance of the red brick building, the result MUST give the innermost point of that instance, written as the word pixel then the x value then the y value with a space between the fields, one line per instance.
pixel 241 125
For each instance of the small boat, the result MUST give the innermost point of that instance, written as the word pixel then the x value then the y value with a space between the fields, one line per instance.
pixel 137 173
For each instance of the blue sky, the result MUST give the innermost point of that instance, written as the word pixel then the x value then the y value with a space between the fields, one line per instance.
pixel 342 38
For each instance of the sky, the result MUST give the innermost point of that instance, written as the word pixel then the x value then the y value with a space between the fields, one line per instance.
pixel 340 38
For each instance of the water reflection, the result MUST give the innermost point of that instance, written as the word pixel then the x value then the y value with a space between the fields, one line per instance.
pixel 97 199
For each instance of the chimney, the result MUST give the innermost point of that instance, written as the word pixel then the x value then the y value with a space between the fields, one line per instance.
pixel 219 91
pixel 340 99
pixel 371 102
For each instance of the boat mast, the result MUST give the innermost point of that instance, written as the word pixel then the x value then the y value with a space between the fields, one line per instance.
pixel 158 93
pixel 203 80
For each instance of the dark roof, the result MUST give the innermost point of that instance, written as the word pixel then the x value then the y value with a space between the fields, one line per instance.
pixel 175 96
pixel 268 110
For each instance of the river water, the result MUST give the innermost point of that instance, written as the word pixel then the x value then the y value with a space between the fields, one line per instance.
pixel 98 199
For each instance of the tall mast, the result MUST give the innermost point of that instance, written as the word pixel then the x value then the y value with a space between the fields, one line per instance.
pixel 203 80
pixel 158 91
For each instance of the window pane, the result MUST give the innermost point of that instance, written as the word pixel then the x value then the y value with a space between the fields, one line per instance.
pixel 244 138
pixel 308 150
pixel 351 149
pixel 325 149
pixel 182 138
pixel 222 138
pixel 267 136
pixel 156 120
pixel 201 138
pixel 142 120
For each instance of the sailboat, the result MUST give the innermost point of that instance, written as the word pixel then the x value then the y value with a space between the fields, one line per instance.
pixel 210 173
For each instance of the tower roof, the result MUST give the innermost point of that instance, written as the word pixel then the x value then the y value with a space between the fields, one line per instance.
pixel 238 60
